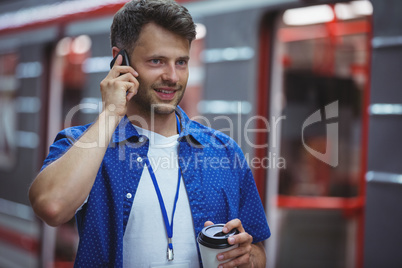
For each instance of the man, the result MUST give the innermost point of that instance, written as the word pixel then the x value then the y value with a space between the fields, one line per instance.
pixel 113 175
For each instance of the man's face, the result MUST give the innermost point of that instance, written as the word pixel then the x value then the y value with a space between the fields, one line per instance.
pixel 161 59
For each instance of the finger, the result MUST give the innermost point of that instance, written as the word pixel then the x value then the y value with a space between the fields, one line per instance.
pixel 236 223
pixel 127 69
pixel 128 77
pixel 244 259
pixel 117 71
pixel 234 253
pixel 122 87
pixel 133 87
pixel 132 91
pixel 208 223
pixel 131 94
pixel 242 238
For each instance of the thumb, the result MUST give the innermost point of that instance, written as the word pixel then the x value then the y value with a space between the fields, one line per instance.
pixel 208 223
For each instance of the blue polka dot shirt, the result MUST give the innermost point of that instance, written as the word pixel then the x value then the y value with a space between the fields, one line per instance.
pixel 218 181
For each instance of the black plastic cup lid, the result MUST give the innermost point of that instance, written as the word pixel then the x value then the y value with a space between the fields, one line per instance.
pixel 213 237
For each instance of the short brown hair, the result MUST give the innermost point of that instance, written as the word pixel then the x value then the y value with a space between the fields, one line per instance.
pixel 129 20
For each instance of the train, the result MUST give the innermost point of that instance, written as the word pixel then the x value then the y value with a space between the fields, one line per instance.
pixel 309 89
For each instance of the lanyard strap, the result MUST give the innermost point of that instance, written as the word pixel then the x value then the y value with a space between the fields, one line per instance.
pixel 168 226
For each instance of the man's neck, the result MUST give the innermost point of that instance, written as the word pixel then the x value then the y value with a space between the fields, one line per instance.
pixel 163 124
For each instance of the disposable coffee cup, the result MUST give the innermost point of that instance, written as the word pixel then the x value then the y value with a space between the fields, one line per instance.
pixel 212 241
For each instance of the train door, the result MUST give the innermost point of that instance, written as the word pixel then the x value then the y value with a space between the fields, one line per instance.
pixel 318 101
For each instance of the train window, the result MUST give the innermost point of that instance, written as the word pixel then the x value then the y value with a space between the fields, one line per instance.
pixel 8 114
pixel 324 59
pixel 194 89
pixel 71 54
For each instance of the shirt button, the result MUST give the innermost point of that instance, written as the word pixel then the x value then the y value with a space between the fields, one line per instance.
pixel 139 159
pixel 141 139
pixel 129 195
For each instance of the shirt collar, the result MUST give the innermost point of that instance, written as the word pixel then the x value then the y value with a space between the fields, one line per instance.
pixel 126 131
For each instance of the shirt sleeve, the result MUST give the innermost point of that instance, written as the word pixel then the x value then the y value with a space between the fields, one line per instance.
pixel 63 141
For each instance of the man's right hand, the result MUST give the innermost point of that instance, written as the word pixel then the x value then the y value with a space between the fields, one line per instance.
pixel 62 187
pixel 118 87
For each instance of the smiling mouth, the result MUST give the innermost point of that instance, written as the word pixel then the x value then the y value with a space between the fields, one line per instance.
pixel 165 94
pixel 165 91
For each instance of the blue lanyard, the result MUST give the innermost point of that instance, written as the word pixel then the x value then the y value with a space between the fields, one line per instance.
pixel 168 226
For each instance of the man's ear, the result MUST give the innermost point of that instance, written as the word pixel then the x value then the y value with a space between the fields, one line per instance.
pixel 115 51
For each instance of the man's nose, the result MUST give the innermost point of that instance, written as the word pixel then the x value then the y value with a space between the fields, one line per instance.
pixel 170 74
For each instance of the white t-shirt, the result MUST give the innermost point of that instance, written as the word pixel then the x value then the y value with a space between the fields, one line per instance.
pixel 145 238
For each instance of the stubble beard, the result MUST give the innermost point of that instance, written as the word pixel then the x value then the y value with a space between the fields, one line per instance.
pixel 149 105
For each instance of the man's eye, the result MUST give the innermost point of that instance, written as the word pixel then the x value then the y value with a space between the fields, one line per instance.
pixel 181 62
pixel 155 61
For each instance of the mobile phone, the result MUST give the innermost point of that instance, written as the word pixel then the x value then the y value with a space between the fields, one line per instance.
pixel 126 61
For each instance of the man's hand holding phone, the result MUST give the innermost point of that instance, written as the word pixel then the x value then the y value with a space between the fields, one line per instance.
pixel 118 87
